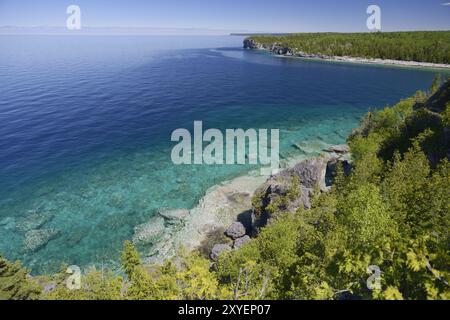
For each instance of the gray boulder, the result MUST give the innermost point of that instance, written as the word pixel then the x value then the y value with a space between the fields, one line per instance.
pixel 218 249
pixel 241 241
pixel 236 230
pixel 311 172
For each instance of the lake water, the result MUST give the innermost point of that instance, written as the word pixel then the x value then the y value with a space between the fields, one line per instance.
pixel 85 125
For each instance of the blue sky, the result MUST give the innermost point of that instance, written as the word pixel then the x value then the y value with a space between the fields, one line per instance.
pixel 232 15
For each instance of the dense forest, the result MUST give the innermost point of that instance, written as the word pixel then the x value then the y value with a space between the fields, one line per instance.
pixel 392 210
pixel 420 46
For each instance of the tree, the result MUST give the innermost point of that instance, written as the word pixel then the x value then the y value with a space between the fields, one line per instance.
pixel 130 259
pixel 95 285
pixel 436 84
pixel 406 190
pixel 15 282
pixel 196 282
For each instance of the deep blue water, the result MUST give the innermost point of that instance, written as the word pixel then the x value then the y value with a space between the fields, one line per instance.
pixel 86 123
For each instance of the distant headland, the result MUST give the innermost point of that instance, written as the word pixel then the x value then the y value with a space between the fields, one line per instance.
pixel 428 49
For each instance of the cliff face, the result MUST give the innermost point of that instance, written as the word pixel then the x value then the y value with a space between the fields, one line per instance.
pixel 252 44
pixel 287 191
pixel 280 49
pixel 293 188
pixel 275 48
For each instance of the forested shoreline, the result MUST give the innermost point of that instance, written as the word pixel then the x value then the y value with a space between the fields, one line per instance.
pixel 419 46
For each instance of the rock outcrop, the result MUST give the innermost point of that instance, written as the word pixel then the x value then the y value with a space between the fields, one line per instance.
pixel 311 172
pixel 252 44
pixel 291 189
pixel 275 48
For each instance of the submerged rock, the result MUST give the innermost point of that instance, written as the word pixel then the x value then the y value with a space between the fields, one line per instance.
pixel 8 223
pixel 218 249
pixel 236 230
pixel 33 221
pixel 76 236
pixel 311 147
pixel 36 239
pixel 149 232
pixel 339 149
pixel 161 250
pixel 174 214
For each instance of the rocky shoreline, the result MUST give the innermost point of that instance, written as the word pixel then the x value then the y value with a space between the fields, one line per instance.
pixel 279 49
pixel 226 218
pixel 289 190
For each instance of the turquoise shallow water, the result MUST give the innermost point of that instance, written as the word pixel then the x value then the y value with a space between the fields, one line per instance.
pixel 86 123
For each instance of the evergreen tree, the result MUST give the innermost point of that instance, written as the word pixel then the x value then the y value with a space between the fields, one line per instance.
pixel 15 282
pixel 130 259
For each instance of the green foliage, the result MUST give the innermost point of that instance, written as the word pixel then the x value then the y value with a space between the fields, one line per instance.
pixel 196 282
pixel 436 84
pixel 406 189
pixel 446 116
pixel 141 286
pixel 95 285
pixel 366 218
pixel 15 283
pixel 397 128
pixel 424 46
pixel 252 271
pixel 130 259
pixel 367 165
